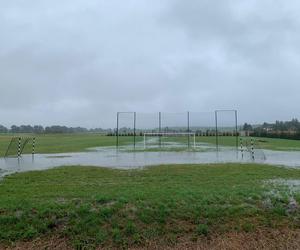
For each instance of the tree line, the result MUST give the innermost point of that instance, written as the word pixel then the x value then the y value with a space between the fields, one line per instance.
pixel 279 129
pixel 56 129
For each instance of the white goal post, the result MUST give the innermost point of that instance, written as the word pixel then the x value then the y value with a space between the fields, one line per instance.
pixel 169 134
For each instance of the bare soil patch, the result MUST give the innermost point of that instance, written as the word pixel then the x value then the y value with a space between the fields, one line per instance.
pixel 261 239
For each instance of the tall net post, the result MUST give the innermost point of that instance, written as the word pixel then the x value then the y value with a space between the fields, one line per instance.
pixel 134 129
pixel 159 127
pixel 217 132
pixel 117 131
pixel 236 131
pixel 188 127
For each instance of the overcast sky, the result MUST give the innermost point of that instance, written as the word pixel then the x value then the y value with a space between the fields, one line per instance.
pixel 78 62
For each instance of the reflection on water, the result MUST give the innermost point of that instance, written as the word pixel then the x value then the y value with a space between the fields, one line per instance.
pixel 123 159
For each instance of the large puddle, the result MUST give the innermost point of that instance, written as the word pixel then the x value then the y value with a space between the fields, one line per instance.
pixel 126 159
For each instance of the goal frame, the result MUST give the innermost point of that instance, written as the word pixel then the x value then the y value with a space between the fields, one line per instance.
pixel 160 134
pixel 187 126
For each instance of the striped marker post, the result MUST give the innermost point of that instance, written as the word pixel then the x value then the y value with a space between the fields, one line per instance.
pixel 242 149
pixel 19 147
pixel 252 149
pixel 33 146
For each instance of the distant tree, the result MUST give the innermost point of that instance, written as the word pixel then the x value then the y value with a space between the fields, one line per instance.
pixel 3 129
pixel 26 129
pixel 56 129
pixel 14 129
pixel 247 127
pixel 38 129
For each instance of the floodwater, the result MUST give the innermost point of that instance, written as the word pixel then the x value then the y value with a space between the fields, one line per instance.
pixel 124 158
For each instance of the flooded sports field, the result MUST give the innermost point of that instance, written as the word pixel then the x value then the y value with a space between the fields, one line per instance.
pixel 127 158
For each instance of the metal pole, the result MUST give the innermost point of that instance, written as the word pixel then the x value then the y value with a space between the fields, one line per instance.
pixel 134 128
pixel 188 127
pixel 159 127
pixel 236 131
pixel 117 132
pixel 217 132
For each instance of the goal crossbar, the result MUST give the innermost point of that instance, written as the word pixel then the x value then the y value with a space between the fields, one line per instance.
pixel 161 134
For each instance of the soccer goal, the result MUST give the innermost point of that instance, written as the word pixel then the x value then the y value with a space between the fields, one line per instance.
pixel 213 129
pixel 18 145
pixel 169 138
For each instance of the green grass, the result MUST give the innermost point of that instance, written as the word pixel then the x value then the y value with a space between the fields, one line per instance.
pixel 104 207
pixel 265 143
pixel 63 143
pixel 279 144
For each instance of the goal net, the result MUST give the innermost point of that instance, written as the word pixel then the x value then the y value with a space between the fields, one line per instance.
pixel 12 149
pixel 209 130
pixel 169 139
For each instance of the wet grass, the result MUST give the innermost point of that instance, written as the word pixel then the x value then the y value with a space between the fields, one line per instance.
pixel 64 143
pixel 279 144
pixel 104 207
pixel 265 143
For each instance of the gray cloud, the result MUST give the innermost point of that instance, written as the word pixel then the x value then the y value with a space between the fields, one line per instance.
pixel 79 62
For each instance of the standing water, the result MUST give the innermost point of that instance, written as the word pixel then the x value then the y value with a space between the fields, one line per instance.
pixel 125 159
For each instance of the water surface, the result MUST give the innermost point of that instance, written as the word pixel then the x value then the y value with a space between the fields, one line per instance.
pixel 123 158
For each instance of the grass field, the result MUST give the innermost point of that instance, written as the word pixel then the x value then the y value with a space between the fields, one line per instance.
pixel 265 143
pixel 90 207
pixel 63 143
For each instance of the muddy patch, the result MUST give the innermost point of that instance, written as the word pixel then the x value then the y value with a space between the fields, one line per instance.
pixel 261 239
